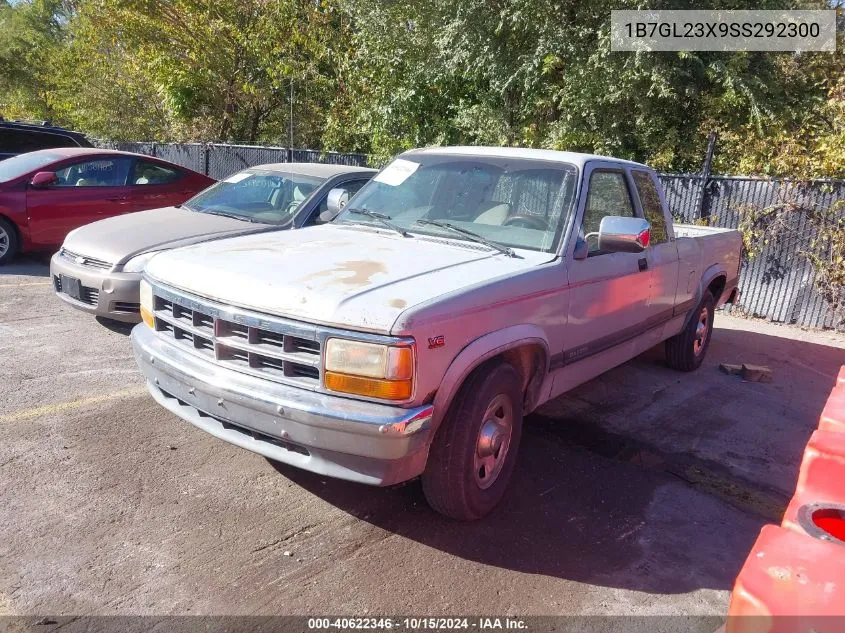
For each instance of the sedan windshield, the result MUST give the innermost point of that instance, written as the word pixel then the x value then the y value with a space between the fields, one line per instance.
pixel 269 197
pixel 17 166
pixel 510 202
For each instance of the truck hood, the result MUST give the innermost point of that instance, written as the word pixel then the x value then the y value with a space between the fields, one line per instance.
pixel 116 240
pixel 343 276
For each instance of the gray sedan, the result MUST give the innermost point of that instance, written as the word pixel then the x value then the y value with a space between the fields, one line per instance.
pixel 99 266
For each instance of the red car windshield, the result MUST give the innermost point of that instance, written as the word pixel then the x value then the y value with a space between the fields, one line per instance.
pixel 17 166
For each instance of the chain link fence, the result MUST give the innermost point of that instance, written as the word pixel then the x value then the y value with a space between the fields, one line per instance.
pixel 780 282
pixel 221 160
pixel 792 227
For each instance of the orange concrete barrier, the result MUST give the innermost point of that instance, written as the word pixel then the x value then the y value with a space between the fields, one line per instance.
pixel 794 578
pixel 790 583
pixel 833 415
pixel 821 481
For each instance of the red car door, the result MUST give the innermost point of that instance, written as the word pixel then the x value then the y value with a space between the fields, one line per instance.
pixel 87 189
pixel 154 185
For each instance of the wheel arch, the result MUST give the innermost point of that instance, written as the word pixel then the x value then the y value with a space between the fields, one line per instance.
pixel 523 346
pixel 715 277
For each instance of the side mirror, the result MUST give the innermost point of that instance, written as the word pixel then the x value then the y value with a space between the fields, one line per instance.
pixel 335 201
pixel 43 179
pixel 623 235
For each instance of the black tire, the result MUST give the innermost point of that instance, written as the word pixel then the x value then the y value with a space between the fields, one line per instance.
pixel 451 483
pixel 8 241
pixel 686 351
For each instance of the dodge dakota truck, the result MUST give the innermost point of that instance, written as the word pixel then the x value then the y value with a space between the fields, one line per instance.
pixel 457 291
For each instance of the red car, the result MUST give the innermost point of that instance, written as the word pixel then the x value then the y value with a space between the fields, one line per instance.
pixel 46 194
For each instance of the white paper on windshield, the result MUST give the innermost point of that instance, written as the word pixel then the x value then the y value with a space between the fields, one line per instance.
pixel 396 172
pixel 238 177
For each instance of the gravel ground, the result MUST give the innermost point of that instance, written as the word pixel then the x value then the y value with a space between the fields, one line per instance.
pixel 639 493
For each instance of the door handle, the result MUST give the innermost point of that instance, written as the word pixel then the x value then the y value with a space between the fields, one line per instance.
pixel 642 262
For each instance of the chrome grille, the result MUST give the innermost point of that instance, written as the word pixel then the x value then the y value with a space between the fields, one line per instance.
pixel 84 260
pixel 262 346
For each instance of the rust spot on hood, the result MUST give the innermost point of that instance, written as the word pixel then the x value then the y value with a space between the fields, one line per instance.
pixel 356 272
pixel 397 303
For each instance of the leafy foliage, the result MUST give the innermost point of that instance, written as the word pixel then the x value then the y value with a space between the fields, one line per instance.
pixel 380 76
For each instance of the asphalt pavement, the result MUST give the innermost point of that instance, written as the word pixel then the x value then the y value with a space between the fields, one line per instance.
pixel 638 493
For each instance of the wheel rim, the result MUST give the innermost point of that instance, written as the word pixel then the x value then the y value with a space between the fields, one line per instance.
pixel 4 241
pixel 701 331
pixel 493 441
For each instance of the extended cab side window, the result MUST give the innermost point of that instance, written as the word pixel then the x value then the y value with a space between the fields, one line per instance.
pixel 650 201
pixel 608 195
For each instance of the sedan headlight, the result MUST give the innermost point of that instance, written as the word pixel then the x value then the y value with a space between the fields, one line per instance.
pixel 369 369
pixel 147 303
pixel 137 263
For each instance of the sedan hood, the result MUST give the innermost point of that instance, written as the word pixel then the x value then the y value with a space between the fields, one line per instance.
pixel 116 240
pixel 335 275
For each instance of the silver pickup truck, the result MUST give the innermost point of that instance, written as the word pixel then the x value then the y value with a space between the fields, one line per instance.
pixel 456 292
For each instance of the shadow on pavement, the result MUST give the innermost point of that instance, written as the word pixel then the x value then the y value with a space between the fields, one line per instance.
pixel 31 264
pixel 119 327
pixel 573 515
pixel 755 431
pixel 645 478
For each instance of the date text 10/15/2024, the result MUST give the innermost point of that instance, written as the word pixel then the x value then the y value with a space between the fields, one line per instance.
pixel 417 624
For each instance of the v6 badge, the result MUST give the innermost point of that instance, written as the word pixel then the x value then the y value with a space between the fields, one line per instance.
pixel 436 341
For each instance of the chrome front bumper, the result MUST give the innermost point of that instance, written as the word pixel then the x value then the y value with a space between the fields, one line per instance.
pixel 106 294
pixel 339 437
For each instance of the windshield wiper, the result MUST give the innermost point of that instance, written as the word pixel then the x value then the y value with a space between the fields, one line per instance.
pixel 381 217
pixel 216 211
pixel 475 237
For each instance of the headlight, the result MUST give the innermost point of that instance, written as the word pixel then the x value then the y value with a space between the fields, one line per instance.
pixel 147 304
pixel 137 263
pixel 369 369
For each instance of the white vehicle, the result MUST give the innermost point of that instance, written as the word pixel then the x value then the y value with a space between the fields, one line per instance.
pixel 457 291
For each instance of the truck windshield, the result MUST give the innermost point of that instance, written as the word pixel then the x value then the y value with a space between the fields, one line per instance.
pixel 269 197
pixel 520 203
pixel 17 166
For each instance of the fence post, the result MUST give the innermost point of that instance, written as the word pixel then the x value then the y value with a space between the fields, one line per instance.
pixel 705 175
pixel 205 159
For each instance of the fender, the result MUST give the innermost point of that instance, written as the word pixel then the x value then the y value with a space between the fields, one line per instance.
pixel 715 270
pixel 481 349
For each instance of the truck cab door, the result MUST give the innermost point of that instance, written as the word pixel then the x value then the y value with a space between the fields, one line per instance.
pixel 662 253
pixel 608 292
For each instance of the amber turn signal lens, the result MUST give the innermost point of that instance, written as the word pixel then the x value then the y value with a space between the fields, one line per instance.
pixel 147 317
pixel 372 387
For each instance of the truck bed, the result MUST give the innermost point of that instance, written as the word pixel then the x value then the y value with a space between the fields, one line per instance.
pixel 694 230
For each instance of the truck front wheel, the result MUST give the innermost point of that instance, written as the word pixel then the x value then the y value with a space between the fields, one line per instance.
pixel 473 455
pixel 685 351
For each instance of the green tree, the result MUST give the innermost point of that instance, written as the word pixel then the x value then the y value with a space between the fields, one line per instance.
pixel 197 69
pixel 541 73
pixel 30 34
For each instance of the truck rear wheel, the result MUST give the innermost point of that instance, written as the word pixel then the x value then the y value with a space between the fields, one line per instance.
pixel 473 455
pixel 685 351
pixel 8 241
